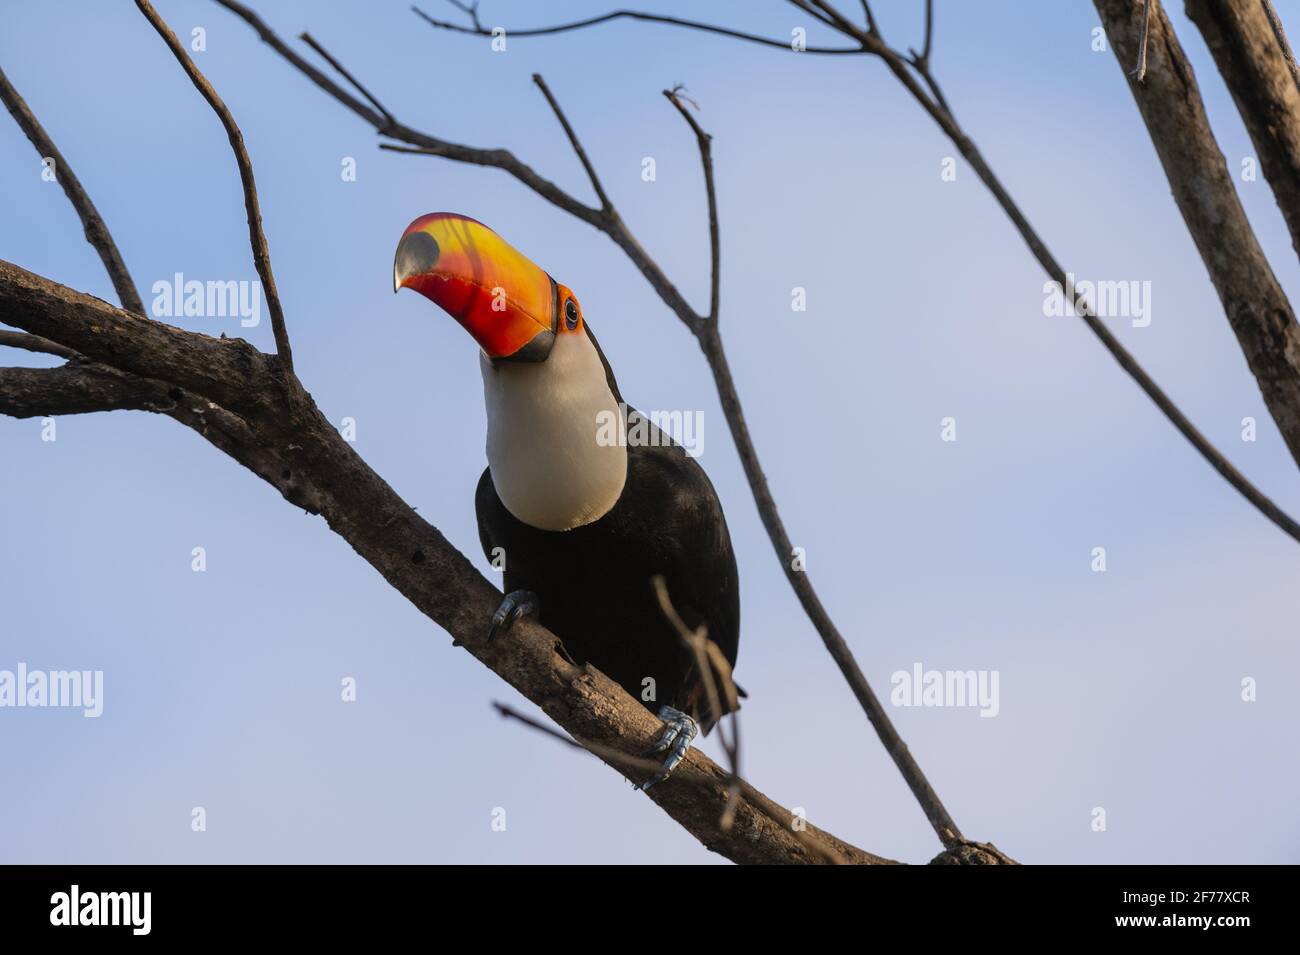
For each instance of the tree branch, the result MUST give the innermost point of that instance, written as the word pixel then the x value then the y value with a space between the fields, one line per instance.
pixel 605 204
pixel 921 61
pixel 79 387
pixel 1257 308
pixel 133 343
pixel 705 142
pixel 35 343
pixel 338 68
pixel 477 29
pixel 96 232
pixel 711 664
pixel 256 237
pixel 1253 58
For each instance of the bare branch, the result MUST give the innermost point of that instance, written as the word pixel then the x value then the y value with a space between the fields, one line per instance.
pixel 1257 308
pixel 132 343
pixel 921 61
pixel 929 30
pixel 710 660
pixel 605 204
pixel 35 343
pixel 478 30
pixel 705 142
pixel 307 38
pixel 871 20
pixel 470 10
pixel 1254 59
pixel 256 237
pixel 834 19
pixel 96 232
pixel 732 410
pixel 806 7
pixel 79 387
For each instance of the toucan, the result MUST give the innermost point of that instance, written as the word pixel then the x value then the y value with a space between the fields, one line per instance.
pixel 582 517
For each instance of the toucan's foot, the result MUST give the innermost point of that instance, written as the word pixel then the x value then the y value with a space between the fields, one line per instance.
pixel 679 731
pixel 514 605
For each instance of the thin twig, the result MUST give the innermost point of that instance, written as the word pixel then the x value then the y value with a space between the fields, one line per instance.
pixel 871 17
pixel 711 342
pixel 640 763
pixel 921 61
pixel 256 237
pixel 831 17
pixel 96 231
pixel 760 801
pixel 471 10
pixel 929 30
pixel 35 343
pixel 605 204
pixel 708 656
pixel 311 42
pixel 705 142
pixel 1140 70
pixel 807 7
pixel 478 30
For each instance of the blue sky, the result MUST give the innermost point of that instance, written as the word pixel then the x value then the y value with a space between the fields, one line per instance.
pixel 1118 690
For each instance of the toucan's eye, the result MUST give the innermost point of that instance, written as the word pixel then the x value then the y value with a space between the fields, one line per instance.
pixel 571 314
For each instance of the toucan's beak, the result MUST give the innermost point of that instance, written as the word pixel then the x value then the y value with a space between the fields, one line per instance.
pixel 505 301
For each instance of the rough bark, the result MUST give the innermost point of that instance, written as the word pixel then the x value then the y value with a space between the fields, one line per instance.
pixel 1247 50
pixel 1170 103
pixel 75 388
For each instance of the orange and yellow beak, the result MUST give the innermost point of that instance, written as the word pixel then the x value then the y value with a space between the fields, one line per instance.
pixel 501 298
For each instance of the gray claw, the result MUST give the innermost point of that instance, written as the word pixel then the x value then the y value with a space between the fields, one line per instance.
pixel 679 731
pixel 514 605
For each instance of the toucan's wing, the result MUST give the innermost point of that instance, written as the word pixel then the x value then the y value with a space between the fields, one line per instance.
pixel 692 545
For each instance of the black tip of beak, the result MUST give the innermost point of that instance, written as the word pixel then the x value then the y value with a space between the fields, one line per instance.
pixel 416 253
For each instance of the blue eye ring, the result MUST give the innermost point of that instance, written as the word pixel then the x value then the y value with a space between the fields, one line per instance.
pixel 570 314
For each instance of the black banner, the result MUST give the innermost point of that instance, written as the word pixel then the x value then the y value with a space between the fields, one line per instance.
pixel 205 903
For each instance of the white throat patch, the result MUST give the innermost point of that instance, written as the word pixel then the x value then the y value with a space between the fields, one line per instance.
pixel 543 417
